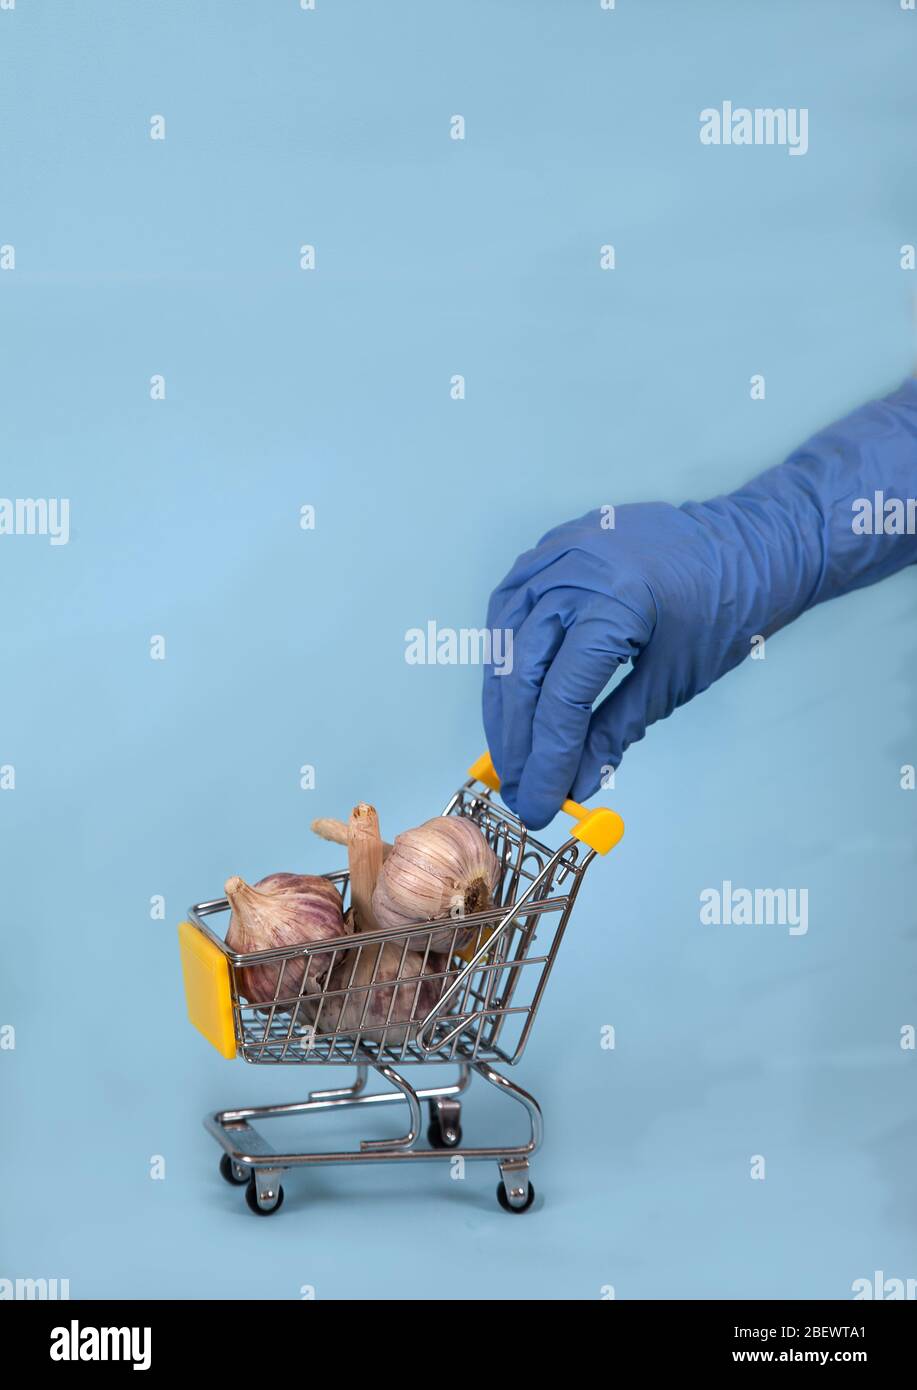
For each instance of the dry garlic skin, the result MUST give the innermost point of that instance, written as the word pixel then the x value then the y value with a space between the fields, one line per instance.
pixel 365 995
pixel 282 910
pixel 444 868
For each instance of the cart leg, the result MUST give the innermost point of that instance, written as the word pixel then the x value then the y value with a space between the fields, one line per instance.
pixel 515 1190
pixel 529 1103
pixel 408 1140
pixel 345 1092
pixel 456 1089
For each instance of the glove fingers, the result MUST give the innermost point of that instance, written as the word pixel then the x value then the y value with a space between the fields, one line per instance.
pixel 591 652
pixel 575 605
pixel 537 614
pixel 621 719
pixel 536 645
pixel 507 609
pixel 492 710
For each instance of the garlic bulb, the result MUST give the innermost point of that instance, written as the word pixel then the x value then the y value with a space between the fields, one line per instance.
pixel 366 1001
pixel 283 910
pixel 444 868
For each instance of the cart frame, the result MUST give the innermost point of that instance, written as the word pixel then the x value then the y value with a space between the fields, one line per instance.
pixel 488 985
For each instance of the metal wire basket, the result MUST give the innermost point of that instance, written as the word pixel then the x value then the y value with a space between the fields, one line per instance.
pixel 463 990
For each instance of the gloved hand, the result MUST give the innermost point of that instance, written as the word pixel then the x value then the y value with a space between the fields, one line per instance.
pixel 682 591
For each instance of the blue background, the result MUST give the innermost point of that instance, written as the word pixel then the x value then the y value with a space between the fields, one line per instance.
pixel 137 777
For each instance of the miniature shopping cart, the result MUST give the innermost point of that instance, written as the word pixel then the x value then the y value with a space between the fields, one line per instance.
pixel 471 1005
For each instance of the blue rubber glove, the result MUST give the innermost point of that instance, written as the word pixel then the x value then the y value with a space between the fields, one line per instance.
pixel 682 592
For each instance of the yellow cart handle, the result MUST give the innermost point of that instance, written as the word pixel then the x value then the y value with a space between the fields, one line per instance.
pixel 599 828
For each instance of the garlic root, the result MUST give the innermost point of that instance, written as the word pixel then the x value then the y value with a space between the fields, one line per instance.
pixel 338 833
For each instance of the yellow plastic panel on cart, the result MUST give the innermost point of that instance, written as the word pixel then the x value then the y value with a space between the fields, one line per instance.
pixel 600 828
pixel 207 993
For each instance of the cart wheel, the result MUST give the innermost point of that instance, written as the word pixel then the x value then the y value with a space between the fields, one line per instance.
pixel 251 1197
pixel 445 1128
pixel 228 1172
pixel 507 1205
pixel 439 1140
